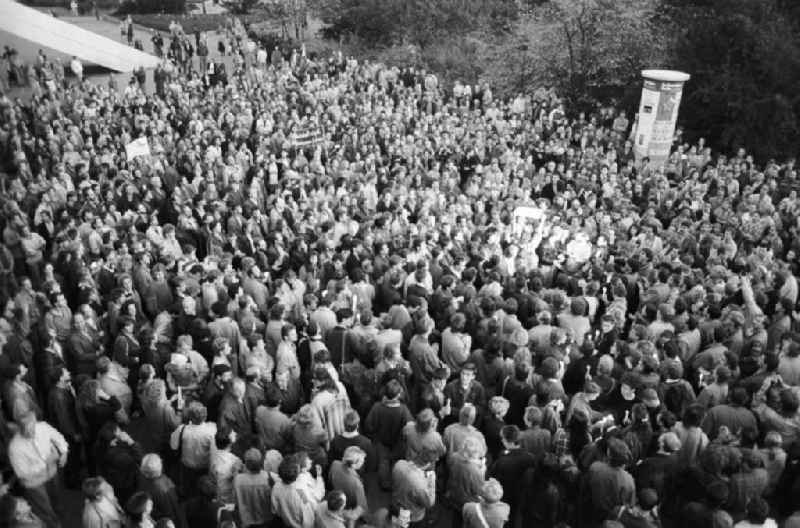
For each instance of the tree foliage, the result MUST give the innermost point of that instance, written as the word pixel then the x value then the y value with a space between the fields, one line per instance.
pixel 589 50
pixel 743 55
pixel 744 58
pixel 421 23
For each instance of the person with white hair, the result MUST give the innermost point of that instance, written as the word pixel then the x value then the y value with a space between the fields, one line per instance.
pixel 488 511
pixel 344 476
pixel 161 489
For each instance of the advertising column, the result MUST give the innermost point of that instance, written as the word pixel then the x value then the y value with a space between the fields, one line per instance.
pixel 658 113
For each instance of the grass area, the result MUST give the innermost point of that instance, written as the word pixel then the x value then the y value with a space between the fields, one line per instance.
pixel 193 23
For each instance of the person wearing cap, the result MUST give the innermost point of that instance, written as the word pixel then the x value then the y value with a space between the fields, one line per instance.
pixel 464 389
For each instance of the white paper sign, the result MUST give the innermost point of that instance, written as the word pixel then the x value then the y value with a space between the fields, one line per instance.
pixel 139 147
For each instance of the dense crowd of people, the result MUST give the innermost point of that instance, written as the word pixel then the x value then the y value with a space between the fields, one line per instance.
pixel 317 303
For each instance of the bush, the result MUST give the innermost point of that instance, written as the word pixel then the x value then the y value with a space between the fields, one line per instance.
pixel 744 58
pixel 85 6
pixel 130 7
pixel 191 23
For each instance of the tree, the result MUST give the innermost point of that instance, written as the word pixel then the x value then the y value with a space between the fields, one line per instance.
pixel 744 57
pixel 240 7
pixel 420 23
pixel 590 50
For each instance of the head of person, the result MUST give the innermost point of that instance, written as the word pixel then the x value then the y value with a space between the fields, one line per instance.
pixel 425 421
pixel 393 390
pixel 399 517
pixel 139 506
pixel 467 414
pixel 351 421
pixel 354 457
pixel 152 467
pixel 757 511
pixel 789 402
pixel 224 439
pixel 336 501
pixel 222 374
pixel 272 396
pixel 491 491
pixel 617 452
pixel 94 489
pixel 439 379
pixel 425 459
pixel 669 443
pixel 253 460
pixel 499 406
pixel 289 469
pixel 533 416
pixel 467 375
pixel 647 498
pixel 509 436
pixel 238 388
pixel 289 333
pixel 591 390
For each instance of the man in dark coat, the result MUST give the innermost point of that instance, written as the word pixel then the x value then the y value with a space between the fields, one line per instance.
pixel 63 414
pixel 235 414
pixel 510 467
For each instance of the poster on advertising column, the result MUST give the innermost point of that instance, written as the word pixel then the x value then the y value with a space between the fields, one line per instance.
pixel 658 114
